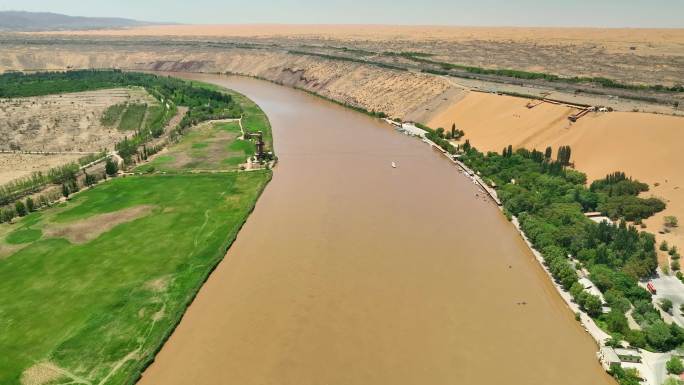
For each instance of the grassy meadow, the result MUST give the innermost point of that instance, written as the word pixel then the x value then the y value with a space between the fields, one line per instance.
pixel 208 146
pixel 99 308
pixel 92 287
pixel 253 118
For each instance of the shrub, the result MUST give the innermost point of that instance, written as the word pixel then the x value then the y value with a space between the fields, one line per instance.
pixel 664 246
pixel 675 365
pixel 111 168
pixel 30 206
pixel 671 221
pixel 20 208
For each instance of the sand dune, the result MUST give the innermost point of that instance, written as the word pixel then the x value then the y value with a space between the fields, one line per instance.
pixel 645 146
pixel 665 41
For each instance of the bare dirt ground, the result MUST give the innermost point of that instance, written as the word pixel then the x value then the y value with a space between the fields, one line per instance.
pixel 90 228
pixel 630 55
pixel 645 146
pixel 40 374
pixel 63 123
pixel 65 126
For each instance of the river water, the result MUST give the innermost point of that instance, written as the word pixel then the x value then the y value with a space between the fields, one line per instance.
pixel 352 272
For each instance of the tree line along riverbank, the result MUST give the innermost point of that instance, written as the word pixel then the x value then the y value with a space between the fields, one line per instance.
pixel 550 200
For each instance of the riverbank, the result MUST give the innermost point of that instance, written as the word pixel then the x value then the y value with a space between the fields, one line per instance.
pixel 648 370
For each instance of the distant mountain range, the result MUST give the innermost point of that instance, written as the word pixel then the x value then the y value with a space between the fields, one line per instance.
pixel 20 21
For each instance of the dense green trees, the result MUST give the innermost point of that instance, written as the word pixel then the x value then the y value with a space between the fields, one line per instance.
pixel 549 201
pixel 620 198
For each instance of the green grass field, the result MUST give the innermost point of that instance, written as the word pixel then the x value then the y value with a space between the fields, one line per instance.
pixel 91 288
pixel 99 310
pixel 133 117
pixel 209 146
pixel 112 114
pixel 253 118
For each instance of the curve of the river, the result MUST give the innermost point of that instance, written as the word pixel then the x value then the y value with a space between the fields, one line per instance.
pixel 352 272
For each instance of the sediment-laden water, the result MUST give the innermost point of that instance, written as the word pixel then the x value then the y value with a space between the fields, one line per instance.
pixel 352 272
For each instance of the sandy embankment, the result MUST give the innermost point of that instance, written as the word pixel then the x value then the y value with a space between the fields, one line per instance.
pixel 645 146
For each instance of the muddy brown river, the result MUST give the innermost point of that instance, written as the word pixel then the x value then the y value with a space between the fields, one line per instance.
pixel 351 272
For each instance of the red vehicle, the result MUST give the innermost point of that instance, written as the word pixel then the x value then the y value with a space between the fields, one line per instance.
pixel 651 288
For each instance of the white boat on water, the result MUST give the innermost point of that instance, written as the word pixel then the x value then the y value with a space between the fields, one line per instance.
pixel 394 165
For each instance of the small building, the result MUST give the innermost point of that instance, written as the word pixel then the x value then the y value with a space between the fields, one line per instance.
pixel 597 216
pixel 412 129
pixel 600 219
pixel 608 357
pixel 628 355
pixel 590 287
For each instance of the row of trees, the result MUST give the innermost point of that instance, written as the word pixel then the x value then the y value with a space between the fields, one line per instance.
pixel 18 188
pixel 69 186
pixel 564 153
pixel 549 200
pixel 203 103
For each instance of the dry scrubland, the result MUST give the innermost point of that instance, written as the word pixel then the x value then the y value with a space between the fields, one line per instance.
pixel 630 55
pixel 68 125
pixel 396 93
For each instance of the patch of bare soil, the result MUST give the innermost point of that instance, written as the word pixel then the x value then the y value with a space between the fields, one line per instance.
pixel 65 122
pixel 40 133
pixel 90 228
pixel 40 374
pixel 6 249
pixel 158 285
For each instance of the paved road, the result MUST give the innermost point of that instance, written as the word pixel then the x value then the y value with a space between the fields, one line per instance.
pixel 672 288
pixel 656 363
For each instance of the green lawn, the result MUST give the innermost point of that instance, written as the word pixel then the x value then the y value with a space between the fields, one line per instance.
pixel 99 310
pixel 209 146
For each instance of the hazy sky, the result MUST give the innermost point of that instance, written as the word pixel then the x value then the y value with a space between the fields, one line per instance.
pixel 604 13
